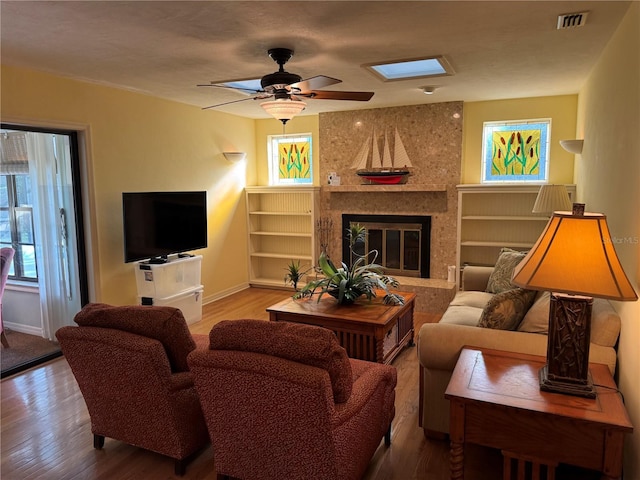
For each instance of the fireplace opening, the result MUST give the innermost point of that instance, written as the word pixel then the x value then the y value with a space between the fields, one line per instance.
pixel 402 243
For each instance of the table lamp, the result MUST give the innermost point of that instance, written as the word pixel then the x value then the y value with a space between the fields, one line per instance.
pixel 575 260
pixel 551 198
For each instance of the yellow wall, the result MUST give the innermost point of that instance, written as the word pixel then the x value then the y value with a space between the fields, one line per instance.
pixel 264 128
pixel 608 179
pixel 561 110
pixel 142 143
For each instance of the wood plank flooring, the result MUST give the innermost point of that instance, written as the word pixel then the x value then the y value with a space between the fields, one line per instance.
pixel 46 432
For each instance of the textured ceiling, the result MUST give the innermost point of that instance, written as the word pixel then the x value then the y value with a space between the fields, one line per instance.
pixel 165 48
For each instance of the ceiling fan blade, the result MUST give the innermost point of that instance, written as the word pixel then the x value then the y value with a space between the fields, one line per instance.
pixel 313 83
pixel 234 101
pixel 334 95
pixel 240 89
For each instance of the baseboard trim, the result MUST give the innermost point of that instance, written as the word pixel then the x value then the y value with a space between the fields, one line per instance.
pixel 225 293
pixel 28 329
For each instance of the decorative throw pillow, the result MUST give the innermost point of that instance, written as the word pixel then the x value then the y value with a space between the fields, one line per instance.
pixel 500 278
pixel 165 324
pixel 307 344
pixel 537 318
pixel 506 310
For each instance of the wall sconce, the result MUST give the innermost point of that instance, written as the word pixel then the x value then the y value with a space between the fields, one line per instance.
pixel 234 157
pixel 572 146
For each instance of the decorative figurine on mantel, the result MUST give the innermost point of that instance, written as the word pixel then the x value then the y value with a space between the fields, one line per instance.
pixel 385 170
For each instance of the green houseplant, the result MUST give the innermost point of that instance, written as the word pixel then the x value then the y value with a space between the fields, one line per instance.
pixel 348 283
pixel 294 274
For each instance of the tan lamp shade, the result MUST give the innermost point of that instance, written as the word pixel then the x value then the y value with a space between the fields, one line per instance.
pixel 551 198
pixel 575 255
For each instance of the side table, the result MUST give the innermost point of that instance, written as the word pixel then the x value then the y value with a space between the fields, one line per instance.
pixel 496 402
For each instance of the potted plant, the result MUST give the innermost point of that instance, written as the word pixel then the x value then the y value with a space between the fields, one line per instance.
pixel 294 274
pixel 348 283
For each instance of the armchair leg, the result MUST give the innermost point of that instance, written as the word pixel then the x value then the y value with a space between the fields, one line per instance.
pixel 387 437
pixel 180 467
pixel 98 442
pixel 3 339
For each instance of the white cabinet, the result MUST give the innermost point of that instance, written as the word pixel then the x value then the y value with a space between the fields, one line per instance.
pixel 175 283
pixel 494 216
pixel 281 227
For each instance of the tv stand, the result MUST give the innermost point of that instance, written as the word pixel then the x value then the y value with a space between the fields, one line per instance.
pixel 174 281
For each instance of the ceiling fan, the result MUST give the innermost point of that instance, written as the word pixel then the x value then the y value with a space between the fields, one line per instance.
pixel 289 89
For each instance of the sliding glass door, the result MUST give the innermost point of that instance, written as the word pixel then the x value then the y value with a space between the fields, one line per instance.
pixel 41 216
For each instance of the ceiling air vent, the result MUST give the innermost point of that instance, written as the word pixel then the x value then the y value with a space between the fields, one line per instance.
pixel 570 20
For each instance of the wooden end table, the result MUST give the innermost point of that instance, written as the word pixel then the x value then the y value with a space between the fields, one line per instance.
pixel 496 401
pixel 369 331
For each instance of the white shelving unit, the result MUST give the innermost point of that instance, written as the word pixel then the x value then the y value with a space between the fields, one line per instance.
pixel 494 216
pixel 175 283
pixel 281 226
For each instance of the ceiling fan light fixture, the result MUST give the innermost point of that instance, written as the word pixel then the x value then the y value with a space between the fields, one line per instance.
pixel 283 110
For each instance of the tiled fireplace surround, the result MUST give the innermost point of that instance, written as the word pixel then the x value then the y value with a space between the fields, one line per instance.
pixel 432 136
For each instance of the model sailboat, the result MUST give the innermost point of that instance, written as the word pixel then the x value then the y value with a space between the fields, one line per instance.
pixel 388 169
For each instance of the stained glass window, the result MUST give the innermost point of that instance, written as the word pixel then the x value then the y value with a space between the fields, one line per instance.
pixel 290 160
pixel 516 151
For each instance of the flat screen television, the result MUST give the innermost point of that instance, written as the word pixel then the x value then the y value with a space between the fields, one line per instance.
pixel 158 224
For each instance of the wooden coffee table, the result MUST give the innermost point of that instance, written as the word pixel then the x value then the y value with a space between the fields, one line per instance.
pixel 496 401
pixel 367 330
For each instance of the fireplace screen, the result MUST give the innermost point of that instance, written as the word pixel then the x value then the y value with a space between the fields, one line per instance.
pixel 401 243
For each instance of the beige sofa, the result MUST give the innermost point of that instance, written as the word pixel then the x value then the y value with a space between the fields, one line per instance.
pixel 439 344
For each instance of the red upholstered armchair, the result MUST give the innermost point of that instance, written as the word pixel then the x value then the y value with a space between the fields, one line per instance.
pixel 283 401
pixel 131 366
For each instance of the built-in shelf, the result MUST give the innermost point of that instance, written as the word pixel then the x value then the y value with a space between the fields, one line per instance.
pixel 504 243
pixel 281 234
pixel 285 256
pixel 494 216
pixel 281 224
pixel 403 188
pixel 506 218
pixel 282 214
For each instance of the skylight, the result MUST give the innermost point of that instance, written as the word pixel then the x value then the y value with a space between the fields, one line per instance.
pixel 252 84
pixel 408 69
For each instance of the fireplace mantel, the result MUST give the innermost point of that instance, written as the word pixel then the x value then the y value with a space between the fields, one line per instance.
pixel 403 188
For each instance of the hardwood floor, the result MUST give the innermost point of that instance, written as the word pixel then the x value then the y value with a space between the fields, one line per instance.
pixel 46 432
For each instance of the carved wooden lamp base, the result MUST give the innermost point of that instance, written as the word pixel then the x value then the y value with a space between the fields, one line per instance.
pixel 566 386
pixel 567 368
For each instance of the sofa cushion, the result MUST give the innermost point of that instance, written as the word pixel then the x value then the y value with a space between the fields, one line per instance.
pixel 165 324
pixel 536 319
pixel 471 298
pixel 605 322
pixel 506 310
pixel 500 279
pixel 308 344
pixel 462 315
